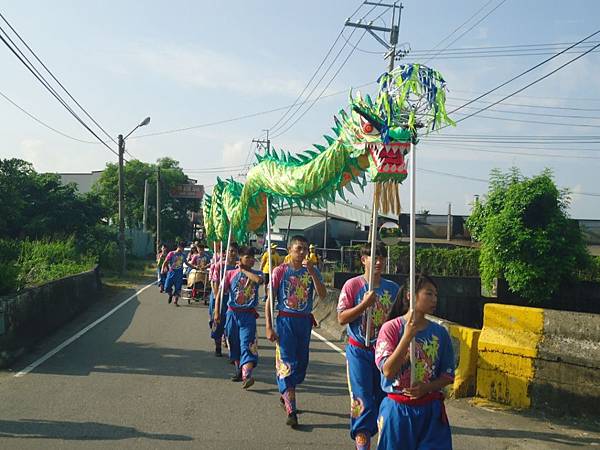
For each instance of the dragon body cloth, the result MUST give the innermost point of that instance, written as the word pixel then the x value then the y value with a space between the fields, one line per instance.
pixel 371 143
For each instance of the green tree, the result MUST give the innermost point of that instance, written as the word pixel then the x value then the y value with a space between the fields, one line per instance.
pixel 526 235
pixel 174 218
pixel 37 205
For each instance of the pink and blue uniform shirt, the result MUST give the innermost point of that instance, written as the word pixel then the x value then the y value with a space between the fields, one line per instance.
pixel 352 294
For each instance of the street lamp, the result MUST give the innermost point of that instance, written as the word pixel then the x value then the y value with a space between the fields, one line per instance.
pixel 121 142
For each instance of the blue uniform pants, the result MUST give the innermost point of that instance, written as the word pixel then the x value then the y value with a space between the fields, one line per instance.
pixel 162 277
pixel 291 353
pixel 218 329
pixel 240 329
pixel 403 427
pixel 174 280
pixel 365 390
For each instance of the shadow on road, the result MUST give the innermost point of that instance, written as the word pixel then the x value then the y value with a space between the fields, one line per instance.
pixel 80 431
pixel 525 434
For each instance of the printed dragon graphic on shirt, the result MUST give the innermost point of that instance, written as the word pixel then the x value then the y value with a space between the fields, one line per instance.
pixel 426 355
pixel 381 308
pixel 297 294
pixel 245 290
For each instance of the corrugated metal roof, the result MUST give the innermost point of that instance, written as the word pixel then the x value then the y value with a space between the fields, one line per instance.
pixel 340 210
pixel 298 222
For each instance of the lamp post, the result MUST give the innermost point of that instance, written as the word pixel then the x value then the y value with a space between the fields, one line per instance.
pixel 121 142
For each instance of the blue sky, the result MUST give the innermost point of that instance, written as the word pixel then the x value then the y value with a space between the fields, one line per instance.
pixel 190 63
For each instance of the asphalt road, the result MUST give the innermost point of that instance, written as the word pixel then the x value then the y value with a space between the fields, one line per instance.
pixel 146 378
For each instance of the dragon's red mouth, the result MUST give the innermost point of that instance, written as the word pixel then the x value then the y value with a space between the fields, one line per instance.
pixel 389 158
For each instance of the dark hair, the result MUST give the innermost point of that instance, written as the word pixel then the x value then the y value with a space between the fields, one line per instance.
pixel 380 250
pixel 181 244
pixel 247 250
pixel 235 246
pixel 297 238
pixel 402 302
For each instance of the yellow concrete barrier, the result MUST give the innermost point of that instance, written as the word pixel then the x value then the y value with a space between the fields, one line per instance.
pixel 464 343
pixel 465 377
pixel 508 346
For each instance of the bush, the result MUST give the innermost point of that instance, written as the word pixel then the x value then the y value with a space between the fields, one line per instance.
pixel 526 235
pixel 592 272
pixel 448 262
pixel 30 263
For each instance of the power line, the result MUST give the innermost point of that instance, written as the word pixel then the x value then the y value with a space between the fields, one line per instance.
pixel 525 146
pixel 314 73
pixel 465 32
pixel 322 92
pixel 481 180
pixel 527 71
pixel 540 122
pixel 532 83
pixel 529 113
pixel 46 85
pixel 501 152
pixel 55 79
pixel 237 118
pixel 278 128
pixel 43 123
pixel 462 24
pixel 570 98
pixel 526 47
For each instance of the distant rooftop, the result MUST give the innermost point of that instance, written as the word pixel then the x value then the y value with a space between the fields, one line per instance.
pixel 84 181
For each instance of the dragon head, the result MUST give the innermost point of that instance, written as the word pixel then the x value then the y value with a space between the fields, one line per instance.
pixel 380 131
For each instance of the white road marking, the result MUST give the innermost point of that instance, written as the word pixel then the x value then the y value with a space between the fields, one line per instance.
pixel 73 338
pixel 333 346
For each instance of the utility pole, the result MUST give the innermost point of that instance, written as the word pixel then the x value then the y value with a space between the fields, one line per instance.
pixel 264 143
pixel 157 207
pixel 391 53
pixel 121 143
pixel 145 219
pixel 325 235
pixel 449 226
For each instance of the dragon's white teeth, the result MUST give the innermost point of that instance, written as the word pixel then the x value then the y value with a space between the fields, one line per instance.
pixel 393 168
pixel 386 168
pixel 394 149
pixel 380 146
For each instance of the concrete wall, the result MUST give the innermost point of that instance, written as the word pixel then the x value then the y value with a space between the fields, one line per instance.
pixel 34 313
pixel 533 357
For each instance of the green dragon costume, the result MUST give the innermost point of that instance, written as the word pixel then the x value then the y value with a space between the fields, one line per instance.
pixel 372 139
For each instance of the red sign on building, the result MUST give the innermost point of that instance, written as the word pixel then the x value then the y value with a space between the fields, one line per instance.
pixel 188 191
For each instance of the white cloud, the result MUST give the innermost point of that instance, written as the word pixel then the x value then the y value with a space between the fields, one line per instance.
pixel 234 154
pixel 195 66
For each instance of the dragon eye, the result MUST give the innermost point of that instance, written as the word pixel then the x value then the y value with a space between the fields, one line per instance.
pixel 367 127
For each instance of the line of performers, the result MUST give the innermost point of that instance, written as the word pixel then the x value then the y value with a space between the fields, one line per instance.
pixel 382 400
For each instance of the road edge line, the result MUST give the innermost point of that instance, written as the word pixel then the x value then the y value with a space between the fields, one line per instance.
pixel 77 335
pixel 330 344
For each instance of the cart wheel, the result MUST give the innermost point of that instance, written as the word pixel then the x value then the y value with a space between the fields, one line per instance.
pixel 189 300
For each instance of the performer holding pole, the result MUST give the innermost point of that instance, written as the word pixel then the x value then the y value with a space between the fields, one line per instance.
pixel 358 295
pixel 226 264
pixel 293 286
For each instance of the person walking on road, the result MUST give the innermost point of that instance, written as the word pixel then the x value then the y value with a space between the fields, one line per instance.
pixel 293 287
pixel 313 257
pixel 414 417
pixel 264 263
pixel 173 267
pixel 363 375
pixel 240 326
pixel 218 321
pixel 160 259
